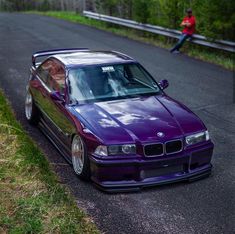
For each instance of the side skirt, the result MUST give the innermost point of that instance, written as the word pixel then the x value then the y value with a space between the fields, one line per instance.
pixel 59 145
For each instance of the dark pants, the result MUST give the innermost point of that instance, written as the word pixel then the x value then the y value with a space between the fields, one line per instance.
pixel 183 37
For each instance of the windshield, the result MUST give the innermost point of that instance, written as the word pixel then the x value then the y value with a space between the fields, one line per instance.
pixel 109 82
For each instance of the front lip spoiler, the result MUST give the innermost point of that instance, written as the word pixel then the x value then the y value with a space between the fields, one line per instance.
pixel 135 187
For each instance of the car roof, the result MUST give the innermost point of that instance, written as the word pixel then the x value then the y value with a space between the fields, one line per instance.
pixel 88 57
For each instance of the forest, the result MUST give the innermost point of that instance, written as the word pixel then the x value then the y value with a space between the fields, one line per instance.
pixel 215 18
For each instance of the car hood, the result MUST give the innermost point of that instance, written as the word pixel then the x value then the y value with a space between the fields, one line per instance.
pixel 139 119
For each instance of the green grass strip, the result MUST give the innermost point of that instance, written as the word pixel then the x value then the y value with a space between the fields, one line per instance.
pixel 31 198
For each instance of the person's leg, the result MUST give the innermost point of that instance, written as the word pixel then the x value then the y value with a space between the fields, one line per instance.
pixel 181 41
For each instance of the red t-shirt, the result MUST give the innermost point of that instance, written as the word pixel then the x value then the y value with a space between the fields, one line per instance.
pixel 189 30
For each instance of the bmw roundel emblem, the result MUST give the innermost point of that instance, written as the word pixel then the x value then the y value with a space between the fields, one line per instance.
pixel 160 134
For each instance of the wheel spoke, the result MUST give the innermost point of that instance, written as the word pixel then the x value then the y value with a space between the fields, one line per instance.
pixel 28 106
pixel 77 155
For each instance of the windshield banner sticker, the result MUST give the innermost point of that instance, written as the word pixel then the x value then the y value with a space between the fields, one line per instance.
pixel 108 69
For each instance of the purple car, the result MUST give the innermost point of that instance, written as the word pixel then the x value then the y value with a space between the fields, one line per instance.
pixel 113 122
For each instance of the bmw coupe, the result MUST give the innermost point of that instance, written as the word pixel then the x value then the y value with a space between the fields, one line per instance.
pixel 113 121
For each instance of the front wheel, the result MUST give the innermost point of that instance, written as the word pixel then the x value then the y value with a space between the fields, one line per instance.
pixel 31 112
pixel 80 159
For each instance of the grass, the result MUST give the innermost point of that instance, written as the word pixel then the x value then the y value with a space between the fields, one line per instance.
pixel 222 58
pixel 31 198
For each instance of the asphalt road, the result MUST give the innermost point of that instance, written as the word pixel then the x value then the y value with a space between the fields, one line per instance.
pixel 205 206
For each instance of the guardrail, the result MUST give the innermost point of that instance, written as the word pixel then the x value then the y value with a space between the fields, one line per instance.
pixel 197 39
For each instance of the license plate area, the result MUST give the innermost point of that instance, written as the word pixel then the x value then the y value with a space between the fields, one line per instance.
pixel 162 171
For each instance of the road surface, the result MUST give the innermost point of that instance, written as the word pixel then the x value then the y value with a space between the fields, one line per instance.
pixel 205 206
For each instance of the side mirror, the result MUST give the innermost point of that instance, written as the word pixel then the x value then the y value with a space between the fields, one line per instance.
pixel 57 96
pixel 163 84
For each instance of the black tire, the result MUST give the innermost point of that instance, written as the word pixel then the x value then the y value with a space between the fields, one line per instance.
pixel 80 160
pixel 32 113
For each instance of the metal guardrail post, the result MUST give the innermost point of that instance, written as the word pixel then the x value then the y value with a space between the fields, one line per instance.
pixel 197 39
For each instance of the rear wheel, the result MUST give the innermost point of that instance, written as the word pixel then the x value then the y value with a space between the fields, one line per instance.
pixel 31 112
pixel 80 159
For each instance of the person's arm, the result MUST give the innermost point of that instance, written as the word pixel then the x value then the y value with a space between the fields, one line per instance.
pixel 186 23
pixel 191 22
pixel 183 23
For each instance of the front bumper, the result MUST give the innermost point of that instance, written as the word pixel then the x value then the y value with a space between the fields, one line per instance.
pixel 134 174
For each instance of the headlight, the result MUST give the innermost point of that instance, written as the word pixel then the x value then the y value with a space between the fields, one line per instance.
pixel 121 149
pixel 196 138
pixel 101 150
pixel 115 150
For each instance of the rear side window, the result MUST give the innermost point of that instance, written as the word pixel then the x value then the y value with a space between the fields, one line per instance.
pixel 43 71
pixel 56 80
pixel 52 73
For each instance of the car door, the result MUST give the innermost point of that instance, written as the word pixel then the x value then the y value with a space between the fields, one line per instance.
pixel 51 76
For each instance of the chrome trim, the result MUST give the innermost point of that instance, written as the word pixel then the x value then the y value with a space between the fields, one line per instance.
pixel 156 155
pixel 175 151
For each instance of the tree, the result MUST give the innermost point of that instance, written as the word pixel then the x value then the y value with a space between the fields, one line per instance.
pixel 141 11
pixel 216 18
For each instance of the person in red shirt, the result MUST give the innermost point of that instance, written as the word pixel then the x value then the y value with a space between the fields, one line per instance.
pixel 189 24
